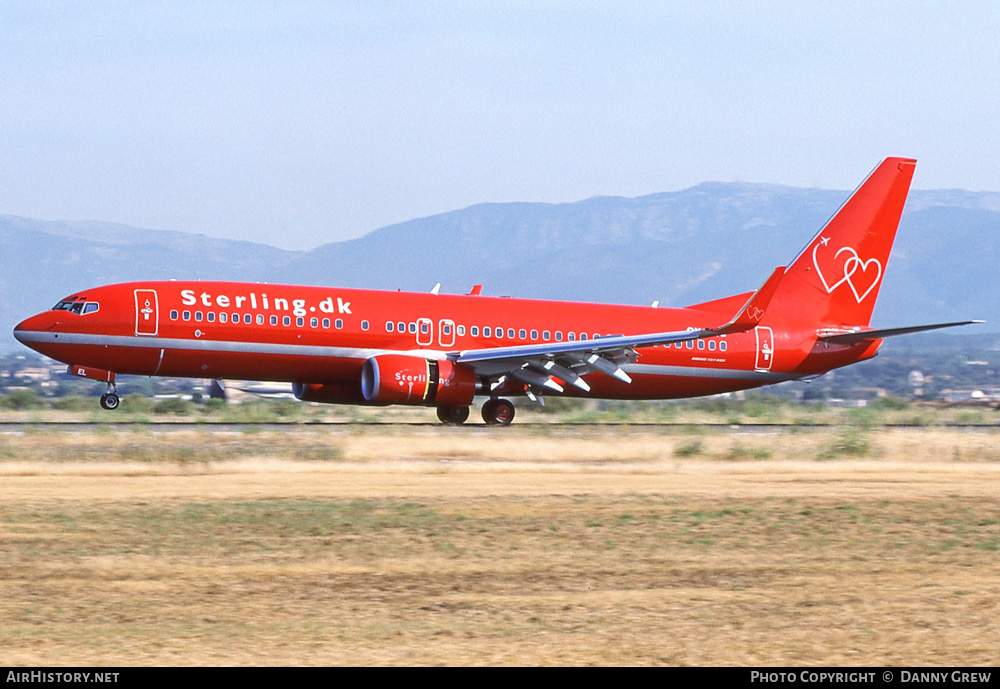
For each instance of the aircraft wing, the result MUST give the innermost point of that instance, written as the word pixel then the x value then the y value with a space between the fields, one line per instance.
pixel 535 365
pixel 851 337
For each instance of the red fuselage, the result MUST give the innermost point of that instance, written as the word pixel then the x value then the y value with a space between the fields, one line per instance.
pixel 323 336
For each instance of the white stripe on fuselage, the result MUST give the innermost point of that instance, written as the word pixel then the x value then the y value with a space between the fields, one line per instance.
pixel 201 345
pixel 96 340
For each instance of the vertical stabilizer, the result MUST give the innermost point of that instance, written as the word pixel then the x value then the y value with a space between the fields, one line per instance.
pixel 835 280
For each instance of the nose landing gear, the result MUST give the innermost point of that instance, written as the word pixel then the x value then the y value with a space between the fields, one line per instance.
pixel 110 400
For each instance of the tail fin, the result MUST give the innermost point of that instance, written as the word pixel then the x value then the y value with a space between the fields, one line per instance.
pixel 835 280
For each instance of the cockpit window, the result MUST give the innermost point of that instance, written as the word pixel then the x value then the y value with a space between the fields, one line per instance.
pixel 79 307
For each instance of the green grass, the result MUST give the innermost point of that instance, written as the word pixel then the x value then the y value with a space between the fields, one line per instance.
pixel 848 442
pixel 689 449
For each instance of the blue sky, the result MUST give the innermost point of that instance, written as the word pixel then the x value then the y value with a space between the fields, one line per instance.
pixel 297 123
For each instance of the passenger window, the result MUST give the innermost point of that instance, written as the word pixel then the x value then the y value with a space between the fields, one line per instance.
pixel 260 319
pixel 339 323
pixel 247 318
pixel 424 328
pixel 701 344
pixel 413 328
pixel 534 334
pixel 523 334
pixel 558 336
pixel 300 321
pixel 389 326
pixel 314 322
pixel 474 330
pixel 401 326
pixel 546 335
pixel 274 320
pixel 210 316
pixel 722 346
pixel 326 323
pixel 286 320
pixel 461 331
pixel 571 337
pixel 186 315
pixel 486 331
pixel 223 317
pixel 711 345
pixel 236 318
pixel 197 316
pixel 173 315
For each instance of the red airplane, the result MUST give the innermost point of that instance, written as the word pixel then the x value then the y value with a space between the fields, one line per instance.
pixel 374 347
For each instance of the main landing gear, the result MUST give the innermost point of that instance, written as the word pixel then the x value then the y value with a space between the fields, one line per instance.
pixel 498 412
pixel 495 413
pixel 109 400
pixel 453 416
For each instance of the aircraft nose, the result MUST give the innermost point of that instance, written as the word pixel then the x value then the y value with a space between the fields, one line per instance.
pixel 38 323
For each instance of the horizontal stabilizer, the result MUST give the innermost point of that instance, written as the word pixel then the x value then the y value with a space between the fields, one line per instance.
pixel 858 336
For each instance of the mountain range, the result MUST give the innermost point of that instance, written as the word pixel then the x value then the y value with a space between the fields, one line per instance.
pixel 679 248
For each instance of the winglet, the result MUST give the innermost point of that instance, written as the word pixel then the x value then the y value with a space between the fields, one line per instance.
pixel 753 311
pixel 476 290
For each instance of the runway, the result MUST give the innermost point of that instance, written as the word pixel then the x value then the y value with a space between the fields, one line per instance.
pixel 534 544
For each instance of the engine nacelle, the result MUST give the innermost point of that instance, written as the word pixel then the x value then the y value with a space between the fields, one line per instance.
pixel 402 379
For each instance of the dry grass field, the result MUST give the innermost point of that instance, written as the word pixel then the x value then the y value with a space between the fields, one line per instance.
pixel 537 544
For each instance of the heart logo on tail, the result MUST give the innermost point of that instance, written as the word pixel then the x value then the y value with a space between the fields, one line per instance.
pixel 857 265
pixel 852 264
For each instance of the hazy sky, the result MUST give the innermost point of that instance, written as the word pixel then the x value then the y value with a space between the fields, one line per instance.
pixel 298 123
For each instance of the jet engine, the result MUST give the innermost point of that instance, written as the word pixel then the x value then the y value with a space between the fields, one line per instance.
pixel 402 379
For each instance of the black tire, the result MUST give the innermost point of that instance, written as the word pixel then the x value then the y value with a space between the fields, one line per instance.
pixel 498 412
pixel 487 412
pixel 453 416
pixel 109 401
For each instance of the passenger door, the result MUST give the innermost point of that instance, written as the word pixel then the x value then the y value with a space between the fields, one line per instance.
pixel 146 313
pixel 765 348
